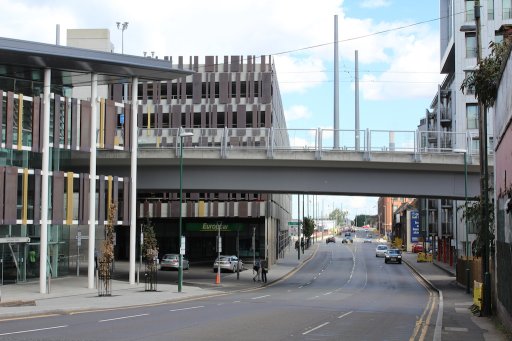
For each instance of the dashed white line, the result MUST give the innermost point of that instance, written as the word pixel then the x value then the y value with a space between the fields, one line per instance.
pixel 256 298
pixel 317 327
pixel 122 318
pixel 197 307
pixel 236 301
pixel 328 293
pixel 32 330
pixel 342 316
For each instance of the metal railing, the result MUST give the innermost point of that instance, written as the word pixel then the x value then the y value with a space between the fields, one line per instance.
pixel 320 141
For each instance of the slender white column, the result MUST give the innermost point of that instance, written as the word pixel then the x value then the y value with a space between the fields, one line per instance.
pixel 92 186
pixel 43 251
pixel 133 185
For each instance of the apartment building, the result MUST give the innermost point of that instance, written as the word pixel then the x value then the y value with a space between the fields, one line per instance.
pixel 451 121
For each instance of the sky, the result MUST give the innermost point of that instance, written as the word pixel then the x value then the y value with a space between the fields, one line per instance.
pixel 397 43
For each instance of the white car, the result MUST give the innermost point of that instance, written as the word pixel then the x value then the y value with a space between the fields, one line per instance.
pixel 380 251
pixel 229 263
pixel 171 261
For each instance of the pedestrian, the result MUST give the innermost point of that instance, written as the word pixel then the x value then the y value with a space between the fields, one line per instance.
pixel 264 270
pixel 256 268
pixel 96 256
pixel 296 245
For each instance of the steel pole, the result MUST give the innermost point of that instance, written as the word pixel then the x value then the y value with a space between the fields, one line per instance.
pixel 468 273
pixel 180 265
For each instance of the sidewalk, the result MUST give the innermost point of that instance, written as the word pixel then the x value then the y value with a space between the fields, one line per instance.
pixel 456 321
pixel 70 294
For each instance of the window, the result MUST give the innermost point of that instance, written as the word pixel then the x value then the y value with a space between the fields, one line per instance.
pixel 472 116
pixel 507 6
pixel 490 9
pixel 470 10
pixel 470 45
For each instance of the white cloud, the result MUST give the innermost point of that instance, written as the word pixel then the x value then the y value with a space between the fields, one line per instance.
pixel 299 74
pixel 374 3
pixel 233 27
pixel 297 112
pixel 412 72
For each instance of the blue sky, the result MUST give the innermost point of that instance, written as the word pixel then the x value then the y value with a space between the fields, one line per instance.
pixel 399 69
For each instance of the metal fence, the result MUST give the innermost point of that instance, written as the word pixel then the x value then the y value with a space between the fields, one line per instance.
pixel 317 140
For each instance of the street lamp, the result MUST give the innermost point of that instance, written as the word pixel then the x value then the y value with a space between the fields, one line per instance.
pixel 182 134
pixel 122 26
pixel 468 273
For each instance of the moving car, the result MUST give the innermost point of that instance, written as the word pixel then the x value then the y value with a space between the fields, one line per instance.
pixel 330 240
pixel 229 263
pixel 171 261
pixel 347 238
pixel 418 247
pixel 393 256
pixel 380 251
pixel 367 240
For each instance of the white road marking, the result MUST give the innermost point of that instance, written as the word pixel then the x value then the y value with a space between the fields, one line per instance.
pixel 256 298
pixel 199 306
pixel 32 330
pixel 236 301
pixel 462 310
pixel 328 293
pixel 317 327
pixel 122 318
pixel 315 277
pixel 455 329
pixel 301 287
pixel 342 316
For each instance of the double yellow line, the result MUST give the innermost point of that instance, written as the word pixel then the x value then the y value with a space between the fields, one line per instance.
pixel 423 323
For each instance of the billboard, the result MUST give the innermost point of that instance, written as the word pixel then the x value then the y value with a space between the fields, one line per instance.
pixel 415 226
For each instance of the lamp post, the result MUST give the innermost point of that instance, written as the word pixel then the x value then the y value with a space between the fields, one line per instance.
pixel 182 134
pixel 122 26
pixel 468 271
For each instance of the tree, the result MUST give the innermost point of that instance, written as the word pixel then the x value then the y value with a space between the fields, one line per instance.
pixel 107 253
pixel 308 227
pixel 484 81
pixel 149 246
pixel 472 213
pixel 338 216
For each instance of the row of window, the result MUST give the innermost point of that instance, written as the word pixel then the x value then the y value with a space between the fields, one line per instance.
pixel 506 5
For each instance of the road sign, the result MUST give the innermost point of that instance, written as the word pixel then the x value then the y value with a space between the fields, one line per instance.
pixel 8 240
pixel 294 223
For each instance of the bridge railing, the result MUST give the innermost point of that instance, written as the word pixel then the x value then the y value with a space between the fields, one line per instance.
pixel 317 140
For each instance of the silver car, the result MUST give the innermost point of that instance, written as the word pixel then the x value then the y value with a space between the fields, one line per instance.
pixel 229 263
pixel 380 251
pixel 171 261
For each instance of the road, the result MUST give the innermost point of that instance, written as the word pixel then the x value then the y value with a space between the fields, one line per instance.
pixel 343 293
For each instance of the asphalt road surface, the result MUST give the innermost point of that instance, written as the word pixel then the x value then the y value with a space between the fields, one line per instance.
pixel 343 293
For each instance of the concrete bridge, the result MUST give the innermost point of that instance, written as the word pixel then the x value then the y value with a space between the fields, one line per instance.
pixel 263 160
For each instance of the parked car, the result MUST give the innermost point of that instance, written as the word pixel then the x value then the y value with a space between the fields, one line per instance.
pixel 418 247
pixel 393 256
pixel 229 263
pixel 171 261
pixel 330 240
pixel 380 251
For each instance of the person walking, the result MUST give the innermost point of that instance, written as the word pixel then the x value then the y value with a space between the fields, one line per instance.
pixel 264 270
pixel 256 268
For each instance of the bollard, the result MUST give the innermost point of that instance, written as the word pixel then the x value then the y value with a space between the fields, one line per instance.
pixel 468 280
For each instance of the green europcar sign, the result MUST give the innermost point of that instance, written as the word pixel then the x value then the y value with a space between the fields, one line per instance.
pixel 214 227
